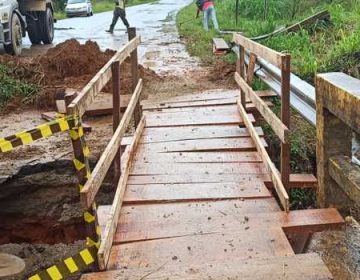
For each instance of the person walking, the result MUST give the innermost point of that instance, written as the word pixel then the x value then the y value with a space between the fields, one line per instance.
pixel 119 12
pixel 208 8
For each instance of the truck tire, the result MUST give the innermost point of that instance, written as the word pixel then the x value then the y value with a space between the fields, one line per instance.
pixel 15 45
pixel 46 22
pixel 34 32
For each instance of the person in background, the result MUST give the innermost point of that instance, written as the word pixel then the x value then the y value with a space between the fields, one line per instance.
pixel 119 12
pixel 208 8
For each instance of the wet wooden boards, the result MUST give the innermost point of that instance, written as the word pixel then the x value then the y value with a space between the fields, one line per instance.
pixel 197 203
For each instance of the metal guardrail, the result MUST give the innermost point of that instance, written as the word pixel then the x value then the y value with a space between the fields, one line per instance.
pixel 302 94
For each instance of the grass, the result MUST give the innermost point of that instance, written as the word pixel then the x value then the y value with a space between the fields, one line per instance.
pixel 324 48
pixel 105 6
pixel 11 87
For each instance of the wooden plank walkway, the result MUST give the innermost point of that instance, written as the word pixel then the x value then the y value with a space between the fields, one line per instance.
pixel 197 206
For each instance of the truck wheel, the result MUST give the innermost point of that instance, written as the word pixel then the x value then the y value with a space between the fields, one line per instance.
pixel 46 22
pixel 15 46
pixel 33 30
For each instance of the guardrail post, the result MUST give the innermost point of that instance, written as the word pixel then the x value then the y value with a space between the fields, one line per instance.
pixel 134 74
pixel 338 115
pixel 115 69
pixel 285 118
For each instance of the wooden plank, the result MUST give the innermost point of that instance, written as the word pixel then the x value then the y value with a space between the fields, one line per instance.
pixel 198 118
pixel 97 83
pixel 201 248
pixel 203 157
pixel 140 168
pixel 201 145
pixel 94 182
pixel 197 178
pixel 303 181
pixel 165 193
pixel 168 134
pixel 294 267
pixel 220 44
pixel 111 225
pixel 251 108
pixel 103 104
pixel 274 173
pixel 153 105
pixel 195 97
pixel 276 124
pixel 266 53
pixel 346 175
pixel 323 15
pixel 146 222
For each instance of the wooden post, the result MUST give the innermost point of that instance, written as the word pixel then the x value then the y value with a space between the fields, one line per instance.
pixel 242 74
pixel 83 171
pixel 335 110
pixel 134 74
pixel 285 118
pixel 115 69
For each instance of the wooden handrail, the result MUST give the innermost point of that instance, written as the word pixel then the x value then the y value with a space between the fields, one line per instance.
pixel 264 52
pixel 87 95
pixel 111 225
pixel 278 127
pixel 94 182
pixel 274 173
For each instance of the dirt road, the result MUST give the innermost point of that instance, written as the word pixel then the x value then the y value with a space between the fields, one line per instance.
pixel 161 48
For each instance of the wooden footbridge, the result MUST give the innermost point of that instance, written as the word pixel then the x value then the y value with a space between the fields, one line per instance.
pixel 198 196
pixel 196 193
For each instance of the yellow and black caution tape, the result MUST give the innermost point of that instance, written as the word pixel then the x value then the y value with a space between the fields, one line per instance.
pixel 87 257
pixel 68 266
pixel 41 131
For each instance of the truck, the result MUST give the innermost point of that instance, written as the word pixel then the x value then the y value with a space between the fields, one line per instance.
pixel 18 17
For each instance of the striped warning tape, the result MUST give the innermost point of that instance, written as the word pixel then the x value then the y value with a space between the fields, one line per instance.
pixel 41 131
pixel 65 268
pixel 86 257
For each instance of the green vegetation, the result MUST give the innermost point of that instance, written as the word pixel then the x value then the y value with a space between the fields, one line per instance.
pixel 325 47
pixel 98 6
pixel 11 87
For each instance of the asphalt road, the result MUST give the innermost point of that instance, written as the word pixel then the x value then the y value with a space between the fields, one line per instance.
pixel 161 47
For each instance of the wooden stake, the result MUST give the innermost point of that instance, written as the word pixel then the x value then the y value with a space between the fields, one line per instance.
pixel 115 69
pixel 285 118
pixel 134 74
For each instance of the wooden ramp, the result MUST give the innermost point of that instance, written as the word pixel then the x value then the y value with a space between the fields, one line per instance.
pixel 196 205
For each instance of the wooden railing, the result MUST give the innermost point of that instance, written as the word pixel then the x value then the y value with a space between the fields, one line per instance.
pixel 338 116
pixel 281 180
pixel 92 181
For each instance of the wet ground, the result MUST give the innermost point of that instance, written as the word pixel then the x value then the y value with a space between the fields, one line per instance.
pixel 161 48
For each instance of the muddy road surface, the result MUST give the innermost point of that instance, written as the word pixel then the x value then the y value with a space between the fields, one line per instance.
pixel 161 48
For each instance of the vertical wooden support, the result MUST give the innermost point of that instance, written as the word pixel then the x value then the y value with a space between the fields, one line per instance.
pixel 251 69
pixel 285 118
pixel 134 74
pixel 242 74
pixel 83 171
pixel 334 138
pixel 115 69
